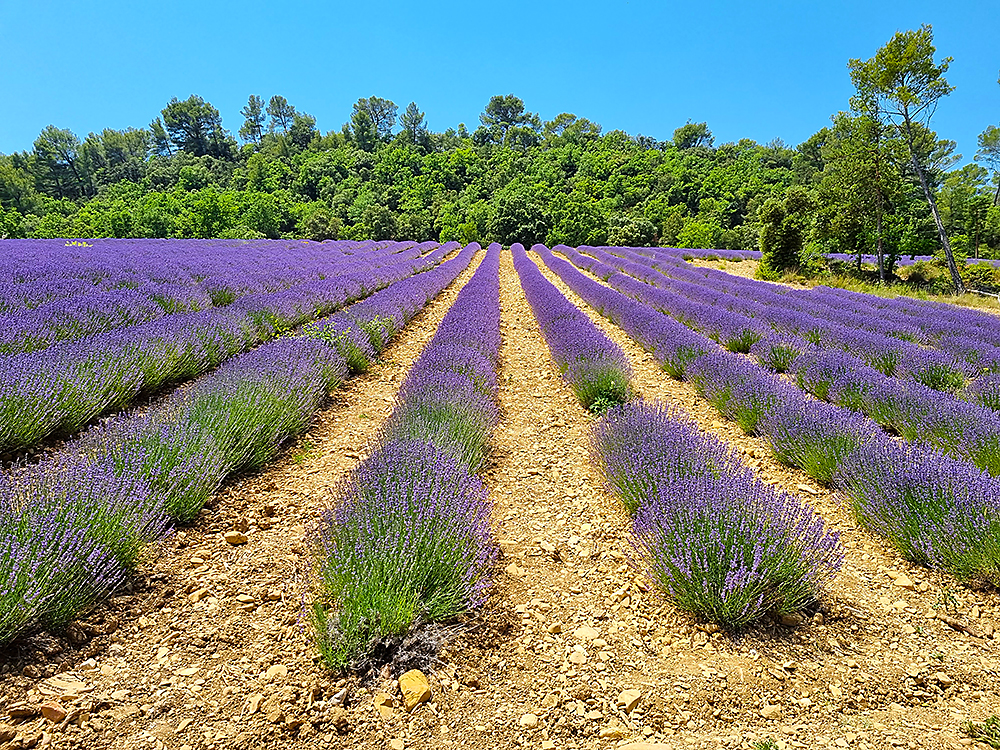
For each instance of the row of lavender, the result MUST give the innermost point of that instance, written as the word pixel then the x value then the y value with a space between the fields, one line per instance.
pixel 800 319
pixel 594 368
pixel 34 272
pixel 935 509
pixel 714 538
pixel 892 343
pixel 52 292
pixel 906 405
pixel 406 539
pixel 938 324
pixel 65 386
pixel 74 526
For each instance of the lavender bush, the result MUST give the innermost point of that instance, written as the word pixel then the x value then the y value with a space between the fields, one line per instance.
pixel 903 404
pixel 673 344
pixel 407 540
pixel 449 397
pixel 739 390
pixel 779 352
pixel 71 531
pixel 935 510
pixel 984 390
pixel 716 540
pixel 814 436
pixel 916 412
pixel 593 366
pixel 74 526
pixel 70 383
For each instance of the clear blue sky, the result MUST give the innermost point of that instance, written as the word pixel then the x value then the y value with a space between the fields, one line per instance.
pixel 759 70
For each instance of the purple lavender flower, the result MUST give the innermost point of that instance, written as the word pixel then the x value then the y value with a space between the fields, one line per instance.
pixel 406 540
pixel 717 541
pixel 814 436
pixel 69 383
pixel 935 510
pixel 594 366
pixel 71 531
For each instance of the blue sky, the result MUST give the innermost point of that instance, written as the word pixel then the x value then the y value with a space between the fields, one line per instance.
pixel 758 70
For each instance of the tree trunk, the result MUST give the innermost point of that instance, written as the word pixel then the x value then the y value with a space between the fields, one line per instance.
pixel 956 277
pixel 878 210
pixel 878 243
pixel 996 195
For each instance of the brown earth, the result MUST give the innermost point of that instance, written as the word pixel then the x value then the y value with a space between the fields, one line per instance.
pixel 210 650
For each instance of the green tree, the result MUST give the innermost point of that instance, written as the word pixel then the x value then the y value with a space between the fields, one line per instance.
pixel 253 119
pixel 363 130
pixel 903 84
pixel 195 126
pixel 413 128
pixel 161 141
pixel 11 223
pixel 282 114
pixel 859 178
pixel 519 217
pixel 302 130
pixel 784 229
pixel 117 155
pixel 693 135
pixel 381 113
pixel 989 153
pixel 699 233
pixel 505 120
pixel 568 128
pixel 61 166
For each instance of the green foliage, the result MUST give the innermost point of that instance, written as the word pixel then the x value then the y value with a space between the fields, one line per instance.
pixel 784 227
pixel 11 224
pixel 253 119
pixel 987 732
pixel 982 276
pixel 195 126
pixel 692 135
pixel 515 179
pixel 699 234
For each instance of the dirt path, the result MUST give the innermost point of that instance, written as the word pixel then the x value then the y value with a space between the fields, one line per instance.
pixel 573 650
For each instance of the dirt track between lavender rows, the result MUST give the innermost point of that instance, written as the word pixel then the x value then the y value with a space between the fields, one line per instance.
pixel 569 628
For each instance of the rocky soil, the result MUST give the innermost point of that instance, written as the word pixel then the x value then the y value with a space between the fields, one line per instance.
pixel 209 649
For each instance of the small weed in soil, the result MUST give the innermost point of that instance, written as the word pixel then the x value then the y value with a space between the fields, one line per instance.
pixel 988 731
pixel 767 744
pixel 304 452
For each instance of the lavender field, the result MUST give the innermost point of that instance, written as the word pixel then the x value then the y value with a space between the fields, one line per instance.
pixel 140 379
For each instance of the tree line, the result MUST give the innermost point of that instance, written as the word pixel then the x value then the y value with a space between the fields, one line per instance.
pixel 876 180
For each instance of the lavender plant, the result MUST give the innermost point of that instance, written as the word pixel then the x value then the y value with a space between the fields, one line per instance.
pixel 779 352
pixel 593 366
pixel 406 540
pixel 70 383
pixel 814 436
pixel 738 389
pixel 71 531
pixel 717 541
pixel 73 527
pixel 984 390
pixel 935 510
pixel 449 397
